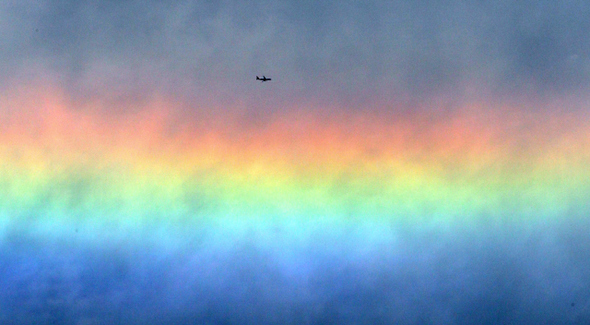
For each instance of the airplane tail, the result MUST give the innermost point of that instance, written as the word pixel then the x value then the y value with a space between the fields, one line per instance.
pixel 257 78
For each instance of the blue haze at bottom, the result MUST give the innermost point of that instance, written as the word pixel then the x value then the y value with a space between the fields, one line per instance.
pixel 285 274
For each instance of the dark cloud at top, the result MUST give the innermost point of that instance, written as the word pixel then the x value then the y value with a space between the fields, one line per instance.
pixel 328 50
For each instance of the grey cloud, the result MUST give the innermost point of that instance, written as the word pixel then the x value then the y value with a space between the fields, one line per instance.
pixel 336 49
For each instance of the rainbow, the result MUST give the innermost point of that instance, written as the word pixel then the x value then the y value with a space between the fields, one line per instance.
pixel 205 213
pixel 65 165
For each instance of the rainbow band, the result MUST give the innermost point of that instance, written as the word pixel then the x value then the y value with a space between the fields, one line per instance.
pixel 151 165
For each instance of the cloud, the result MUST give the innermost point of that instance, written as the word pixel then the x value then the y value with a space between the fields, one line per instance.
pixel 327 51
pixel 421 276
pixel 184 267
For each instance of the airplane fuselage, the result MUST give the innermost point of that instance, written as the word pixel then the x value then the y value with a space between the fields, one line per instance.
pixel 263 79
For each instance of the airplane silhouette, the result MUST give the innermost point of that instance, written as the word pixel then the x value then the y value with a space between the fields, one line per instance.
pixel 263 79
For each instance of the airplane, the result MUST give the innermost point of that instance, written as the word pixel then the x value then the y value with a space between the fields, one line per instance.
pixel 263 79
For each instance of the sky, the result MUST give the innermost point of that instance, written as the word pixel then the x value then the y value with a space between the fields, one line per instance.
pixel 409 163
